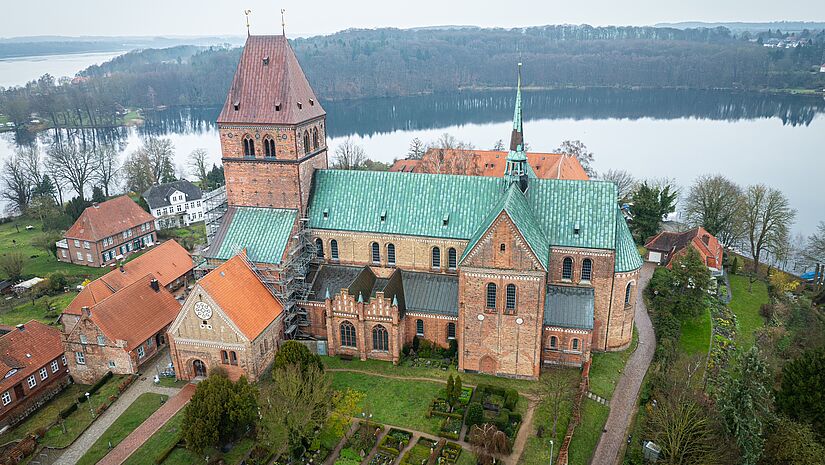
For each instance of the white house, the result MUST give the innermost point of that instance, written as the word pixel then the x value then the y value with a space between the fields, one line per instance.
pixel 822 68
pixel 175 204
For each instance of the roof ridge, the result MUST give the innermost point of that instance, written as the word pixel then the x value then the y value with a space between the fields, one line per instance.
pixel 128 286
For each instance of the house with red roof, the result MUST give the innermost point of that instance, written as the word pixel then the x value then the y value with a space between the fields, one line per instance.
pixel 33 367
pixel 666 245
pixel 121 332
pixel 229 320
pixel 107 232
pixel 169 263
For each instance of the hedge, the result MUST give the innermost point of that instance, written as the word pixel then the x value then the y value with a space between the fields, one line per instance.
pixel 166 452
pixel 96 386
pixel 68 410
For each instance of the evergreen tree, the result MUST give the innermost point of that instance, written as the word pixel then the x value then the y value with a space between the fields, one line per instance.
pixel 295 353
pixel 457 388
pixel 744 401
pixel 650 205
pixel 97 195
pixel 682 288
pixel 802 393
pixel 449 390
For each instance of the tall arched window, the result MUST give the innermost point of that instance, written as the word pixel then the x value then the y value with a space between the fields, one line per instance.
pixel 436 258
pixel 567 268
pixel 628 290
pixel 491 296
pixel 554 342
pixel 333 249
pixel 391 254
pixel 510 303
pixel 419 327
pixel 319 247
pixel 450 330
pixel 348 335
pixel 587 269
pixel 315 138
pixel 376 253
pixel 575 344
pixel 306 141
pixel 452 259
pixel 224 357
pixel 248 146
pixel 380 338
pixel 269 147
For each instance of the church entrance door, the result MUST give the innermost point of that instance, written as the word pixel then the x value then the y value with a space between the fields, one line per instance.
pixel 200 368
pixel 487 365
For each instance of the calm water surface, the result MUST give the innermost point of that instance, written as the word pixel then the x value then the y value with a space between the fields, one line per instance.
pixel 751 138
pixel 20 70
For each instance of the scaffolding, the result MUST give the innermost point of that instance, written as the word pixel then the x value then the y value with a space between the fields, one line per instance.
pixel 214 208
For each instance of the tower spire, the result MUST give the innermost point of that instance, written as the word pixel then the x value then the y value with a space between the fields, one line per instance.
pixel 516 159
pixel 283 23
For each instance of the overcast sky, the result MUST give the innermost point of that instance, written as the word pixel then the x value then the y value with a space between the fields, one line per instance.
pixel 225 17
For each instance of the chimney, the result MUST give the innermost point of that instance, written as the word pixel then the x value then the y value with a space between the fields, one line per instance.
pixel 154 285
pixel 121 268
pixel 21 327
pixel 85 311
pixel 96 205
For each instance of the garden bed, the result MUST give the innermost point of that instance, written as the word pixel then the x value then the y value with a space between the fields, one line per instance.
pixel 420 453
pixel 497 406
pixel 395 441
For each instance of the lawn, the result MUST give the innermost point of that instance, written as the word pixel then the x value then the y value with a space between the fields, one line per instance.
pixel 181 456
pixel 586 436
pixel 745 305
pixel 45 309
pixel 161 441
pixel 607 367
pixel 81 418
pixel 393 401
pixel 695 334
pixel 142 407
pixel 46 414
pixel 537 450
pixel 387 368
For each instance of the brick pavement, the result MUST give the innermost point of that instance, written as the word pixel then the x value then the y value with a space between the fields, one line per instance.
pixel 136 438
pixel 623 403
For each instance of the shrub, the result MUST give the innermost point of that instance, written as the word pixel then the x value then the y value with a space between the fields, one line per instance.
pixel 164 454
pixel 100 383
pixel 68 410
pixel 510 399
pixel 502 421
pixel 475 414
pixel 766 310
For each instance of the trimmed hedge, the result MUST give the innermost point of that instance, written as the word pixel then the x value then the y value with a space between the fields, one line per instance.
pixel 68 411
pixel 96 386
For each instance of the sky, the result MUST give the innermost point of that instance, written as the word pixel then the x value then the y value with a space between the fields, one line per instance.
pixel 304 17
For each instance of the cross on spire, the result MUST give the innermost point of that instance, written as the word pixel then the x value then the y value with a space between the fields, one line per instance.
pixel 283 23
pixel 246 13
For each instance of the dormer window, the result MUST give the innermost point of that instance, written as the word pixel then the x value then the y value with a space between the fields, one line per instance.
pixel 236 105
pixel 300 105
pixel 576 229
pixel 311 102
pixel 266 61
pixel 384 216
pixel 277 107
pixel 326 213
pixel 445 220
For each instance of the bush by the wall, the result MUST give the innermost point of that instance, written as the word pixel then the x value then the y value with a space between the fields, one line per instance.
pixel 475 414
pixel 68 410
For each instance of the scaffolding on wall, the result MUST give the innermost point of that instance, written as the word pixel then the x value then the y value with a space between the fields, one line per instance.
pixel 214 208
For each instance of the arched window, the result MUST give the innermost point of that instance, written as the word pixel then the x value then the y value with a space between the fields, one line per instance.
pixel 628 290
pixel 452 259
pixel 224 357
pixel 436 259
pixel 391 254
pixel 233 357
pixel 269 146
pixel 554 342
pixel 575 344
pixel 306 141
pixel 587 269
pixel 419 327
pixel 333 249
pixel 450 331
pixel 567 268
pixel 380 338
pixel 491 296
pixel 315 138
pixel 319 247
pixel 376 253
pixel 348 335
pixel 510 303
pixel 248 146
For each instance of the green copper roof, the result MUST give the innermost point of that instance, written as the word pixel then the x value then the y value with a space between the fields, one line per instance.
pixel 568 213
pixel 264 232
pixel 627 256
pixel 515 205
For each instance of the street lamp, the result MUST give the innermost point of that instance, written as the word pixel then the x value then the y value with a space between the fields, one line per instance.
pixel 89 401
pixel 551 452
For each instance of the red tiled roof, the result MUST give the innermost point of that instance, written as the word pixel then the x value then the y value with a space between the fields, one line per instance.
pixel 242 296
pixel 107 219
pixel 27 351
pixel 492 163
pixel 675 243
pixel 135 313
pixel 167 262
pixel 260 85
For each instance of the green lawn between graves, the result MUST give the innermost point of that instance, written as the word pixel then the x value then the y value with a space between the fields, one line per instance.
pixel 46 414
pixel 745 305
pixel 695 334
pixel 142 407
pixel 537 450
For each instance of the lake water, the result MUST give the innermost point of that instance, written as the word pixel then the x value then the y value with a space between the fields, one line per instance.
pixel 20 70
pixel 751 138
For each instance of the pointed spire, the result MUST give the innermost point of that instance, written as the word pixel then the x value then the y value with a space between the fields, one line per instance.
pixel 395 300
pixel 327 297
pixel 517 137
pixel 516 170
pixel 360 298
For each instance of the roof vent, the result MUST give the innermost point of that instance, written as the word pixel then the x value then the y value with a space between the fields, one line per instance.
pixel 278 106
pixel 326 213
pixel 445 220
pixel 96 205
pixel 311 102
pixel 576 229
pixel 21 327
pixel 300 105
pixel 383 216
pixel 266 61
pixel 28 355
pixel 236 106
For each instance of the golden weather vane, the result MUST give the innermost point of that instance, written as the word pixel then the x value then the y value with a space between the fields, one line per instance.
pixel 246 13
pixel 283 23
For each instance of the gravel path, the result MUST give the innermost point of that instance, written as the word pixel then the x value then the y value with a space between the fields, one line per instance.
pixel 623 403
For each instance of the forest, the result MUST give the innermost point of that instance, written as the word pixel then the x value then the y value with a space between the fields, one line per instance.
pixel 393 62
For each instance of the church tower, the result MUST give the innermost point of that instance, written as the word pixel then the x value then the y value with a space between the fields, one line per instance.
pixel 516 169
pixel 272 129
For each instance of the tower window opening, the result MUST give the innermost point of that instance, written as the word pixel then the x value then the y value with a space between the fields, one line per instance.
pixel 269 147
pixel 248 146
pixel 300 105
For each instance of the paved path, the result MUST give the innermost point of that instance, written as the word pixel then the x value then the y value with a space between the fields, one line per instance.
pixel 142 433
pixel 623 403
pixel 142 385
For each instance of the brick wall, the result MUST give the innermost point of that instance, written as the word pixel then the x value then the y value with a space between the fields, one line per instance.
pixel 364 316
pixel 621 316
pixel 564 353
pixel 21 407
pixel 435 328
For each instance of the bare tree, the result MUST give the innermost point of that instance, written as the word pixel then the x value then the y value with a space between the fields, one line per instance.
pixel 349 156
pixel 29 157
pixel 577 149
pixel 767 217
pixel 11 264
pixel 624 181
pixel 499 146
pixel 107 169
pixel 137 171
pixel 815 247
pixel 555 390
pixel 71 163
pixel 488 443
pixel 198 165
pixel 715 203
pixel 16 187
pixel 448 155
pixel 417 149
pixel 159 153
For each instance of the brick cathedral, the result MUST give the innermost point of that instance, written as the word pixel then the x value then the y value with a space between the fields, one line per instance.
pixel 521 272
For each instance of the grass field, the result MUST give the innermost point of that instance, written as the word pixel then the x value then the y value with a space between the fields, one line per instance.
pixel 586 436
pixel 142 407
pixel 745 305
pixel 45 309
pixel 46 414
pixel 181 456
pixel 161 441
pixel 607 367
pixel 537 450
pixel 695 334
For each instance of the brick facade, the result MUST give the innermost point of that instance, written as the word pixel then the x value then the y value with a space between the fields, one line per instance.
pixel 366 318
pixel 123 243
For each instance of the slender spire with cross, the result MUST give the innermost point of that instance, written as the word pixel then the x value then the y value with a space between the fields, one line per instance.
pixel 516 170
pixel 283 23
pixel 246 13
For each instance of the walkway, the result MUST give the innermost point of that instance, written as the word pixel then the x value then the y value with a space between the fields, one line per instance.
pixel 623 403
pixel 144 384
pixel 133 441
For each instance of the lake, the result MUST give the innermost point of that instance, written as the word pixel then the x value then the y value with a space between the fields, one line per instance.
pixel 18 71
pixel 778 140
